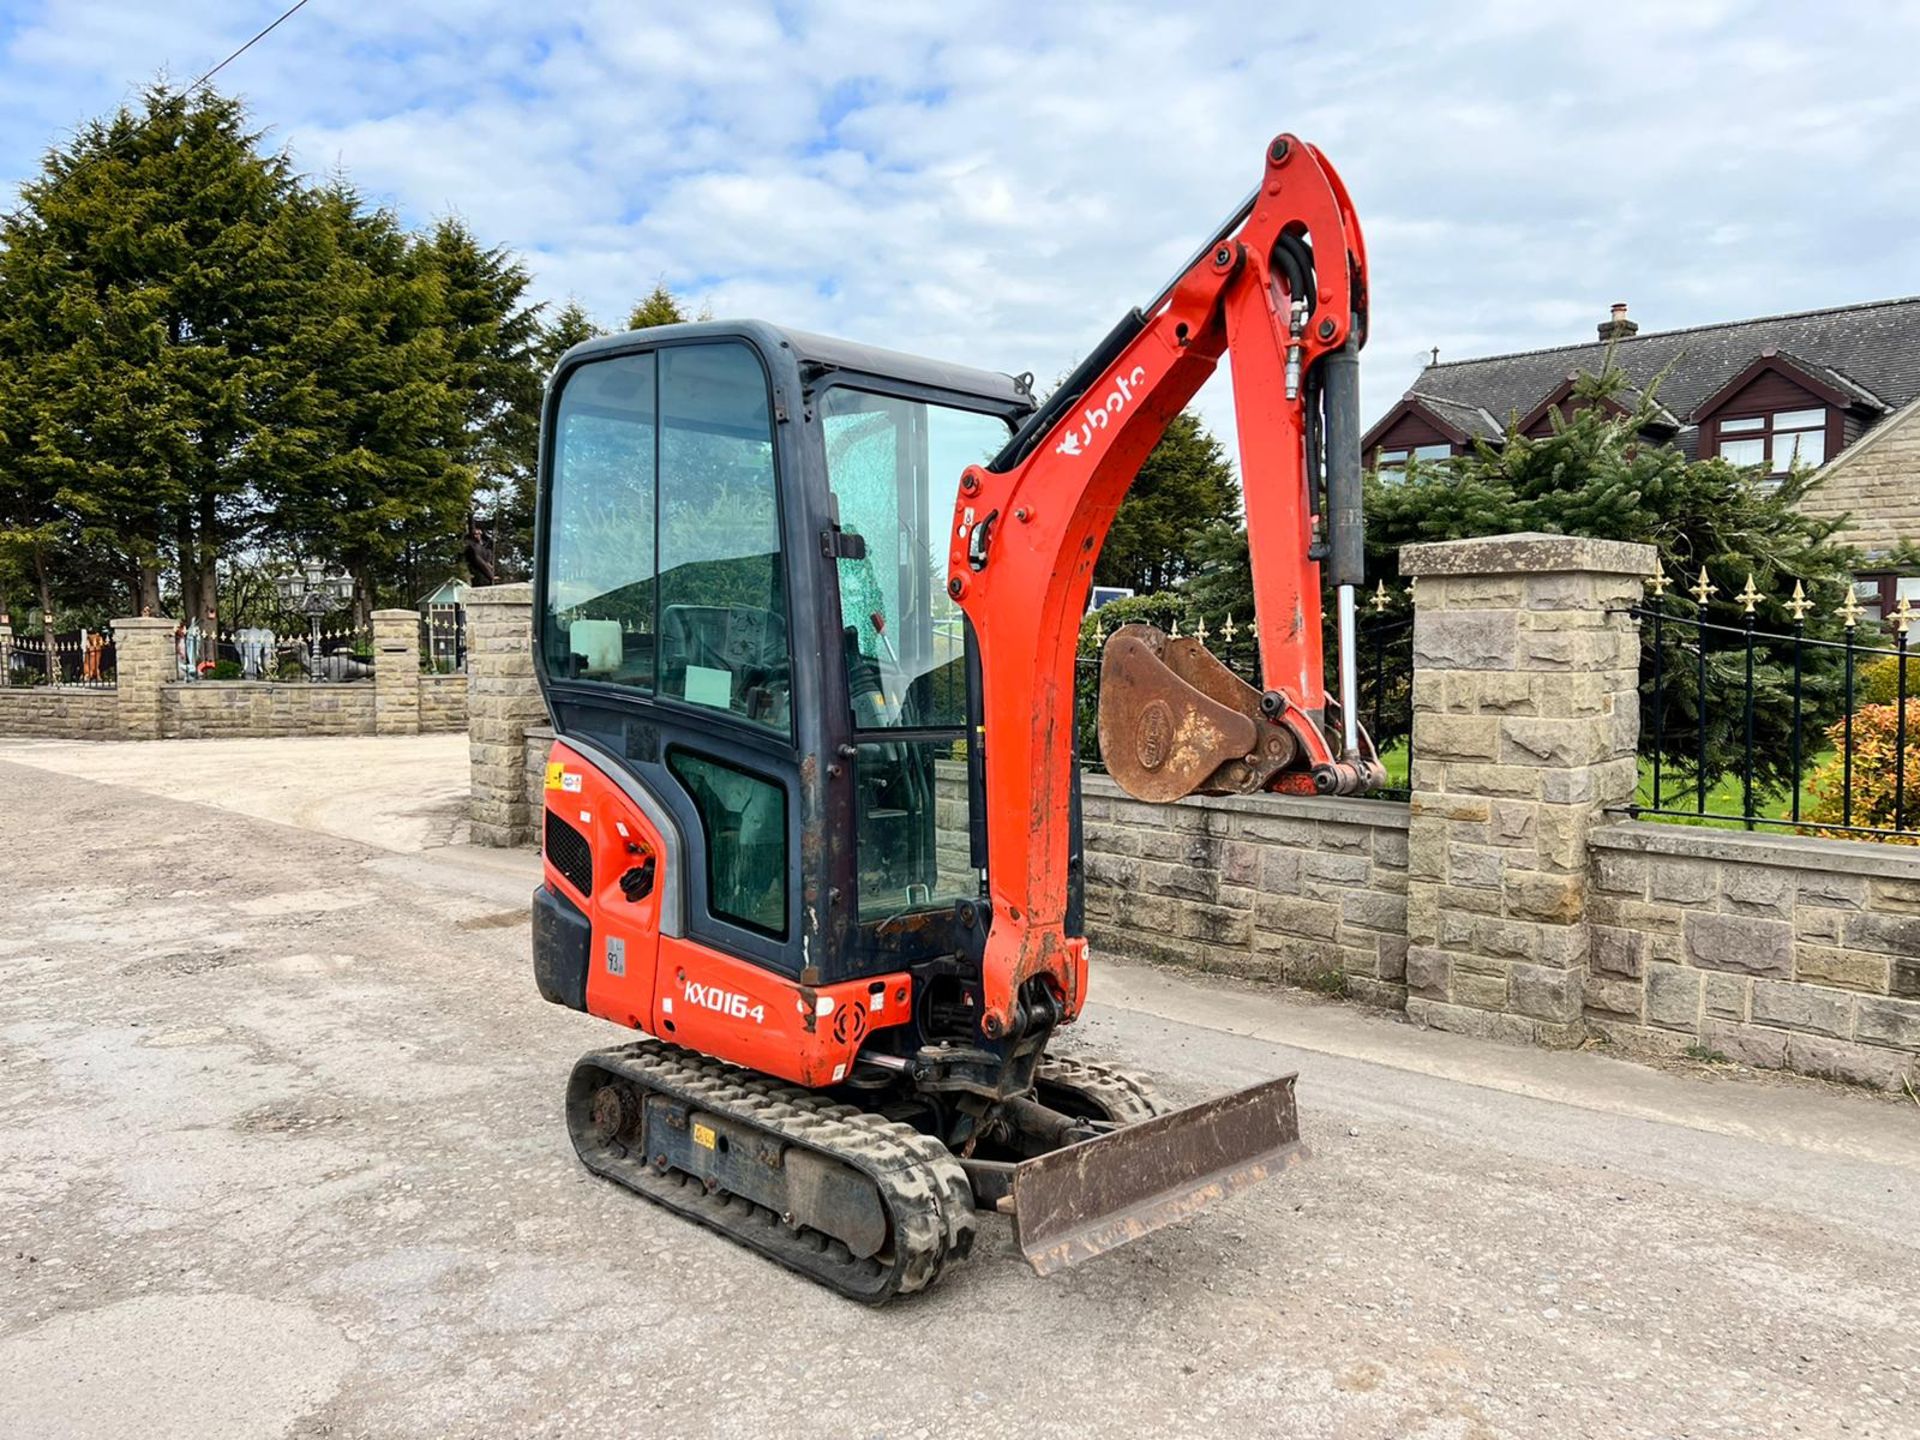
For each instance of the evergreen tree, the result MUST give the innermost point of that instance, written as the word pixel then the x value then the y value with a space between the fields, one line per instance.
pixel 494 342
pixel 204 357
pixel 662 307
pixel 376 468
pixel 131 278
pixel 1595 474
pixel 1185 486
pixel 570 326
pixel 513 508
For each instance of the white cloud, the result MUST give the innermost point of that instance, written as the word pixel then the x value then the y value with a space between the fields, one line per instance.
pixel 997 182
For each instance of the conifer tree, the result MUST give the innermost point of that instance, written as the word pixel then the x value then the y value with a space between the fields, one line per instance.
pixel 380 420
pixel 1185 485
pixel 131 276
pixel 1603 471
pixel 662 307
pixel 495 341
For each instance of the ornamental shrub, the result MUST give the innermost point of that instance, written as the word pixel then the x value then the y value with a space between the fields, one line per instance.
pixel 1878 683
pixel 1877 774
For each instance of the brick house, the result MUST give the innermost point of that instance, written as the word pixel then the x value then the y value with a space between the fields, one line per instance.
pixel 1836 389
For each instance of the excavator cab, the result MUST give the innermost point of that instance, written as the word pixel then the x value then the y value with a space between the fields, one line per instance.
pixel 743 615
pixel 806 619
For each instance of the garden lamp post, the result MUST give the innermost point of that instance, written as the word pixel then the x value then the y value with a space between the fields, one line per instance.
pixel 315 594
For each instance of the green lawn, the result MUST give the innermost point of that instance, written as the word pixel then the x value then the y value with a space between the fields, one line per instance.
pixel 1394 757
pixel 1676 791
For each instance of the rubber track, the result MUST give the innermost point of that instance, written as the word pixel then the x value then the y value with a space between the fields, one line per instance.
pixel 928 1200
pixel 1118 1095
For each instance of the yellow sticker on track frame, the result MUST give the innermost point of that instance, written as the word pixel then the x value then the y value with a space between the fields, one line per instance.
pixel 703 1135
pixel 555 770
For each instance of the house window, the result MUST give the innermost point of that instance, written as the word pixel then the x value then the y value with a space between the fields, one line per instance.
pixel 1879 593
pixel 1781 441
pixel 1394 462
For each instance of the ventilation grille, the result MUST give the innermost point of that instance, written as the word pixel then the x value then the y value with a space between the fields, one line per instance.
pixel 569 853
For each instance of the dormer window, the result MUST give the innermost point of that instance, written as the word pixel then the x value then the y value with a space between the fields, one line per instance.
pixel 1780 440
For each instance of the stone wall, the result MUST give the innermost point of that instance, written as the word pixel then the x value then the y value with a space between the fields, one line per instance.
pixel 263 709
pixel 1875 484
pixel 503 702
pixel 443 703
pixel 1310 891
pixel 1777 950
pixel 1525 723
pixel 148 702
pixel 60 712
pixel 1508 899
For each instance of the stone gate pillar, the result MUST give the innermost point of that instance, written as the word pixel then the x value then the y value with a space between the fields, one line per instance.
pixel 396 672
pixel 1525 728
pixel 144 663
pixel 503 699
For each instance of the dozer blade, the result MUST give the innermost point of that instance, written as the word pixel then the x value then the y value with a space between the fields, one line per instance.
pixel 1086 1199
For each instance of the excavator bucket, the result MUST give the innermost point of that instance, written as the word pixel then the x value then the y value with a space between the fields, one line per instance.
pixel 1086 1199
pixel 1175 721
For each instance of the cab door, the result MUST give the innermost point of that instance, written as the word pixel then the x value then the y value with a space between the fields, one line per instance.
pixel 666 632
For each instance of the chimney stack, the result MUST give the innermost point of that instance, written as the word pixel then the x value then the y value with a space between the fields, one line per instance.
pixel 1618 327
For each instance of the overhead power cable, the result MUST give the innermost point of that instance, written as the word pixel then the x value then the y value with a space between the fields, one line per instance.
pixel 285 15
pixel 253 40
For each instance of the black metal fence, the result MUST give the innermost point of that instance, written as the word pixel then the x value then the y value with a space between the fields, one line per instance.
pixel 1778 729
pixel 1385 680
pixel 84 658
pixel 443 638
pixel 260 652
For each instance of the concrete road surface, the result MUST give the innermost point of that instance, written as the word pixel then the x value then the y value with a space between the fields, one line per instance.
pixel 280 1155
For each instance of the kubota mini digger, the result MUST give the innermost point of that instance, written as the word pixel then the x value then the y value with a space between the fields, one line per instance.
pixel 812 820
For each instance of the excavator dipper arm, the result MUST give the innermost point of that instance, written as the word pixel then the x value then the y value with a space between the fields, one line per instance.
pixel 1281 290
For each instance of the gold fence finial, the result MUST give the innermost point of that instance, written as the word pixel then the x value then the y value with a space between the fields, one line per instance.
pixel 1903 615
pixel 1229 630
pixel 1381 599
pixel 1748 597
pixel 1799 604
pixel 1658 582
pixel 1850 609
pixel 1705 590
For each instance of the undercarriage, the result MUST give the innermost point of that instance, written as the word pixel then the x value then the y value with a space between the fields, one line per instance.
pixel 846 1189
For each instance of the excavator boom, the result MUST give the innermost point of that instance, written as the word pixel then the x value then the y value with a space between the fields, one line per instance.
pixel 1281 289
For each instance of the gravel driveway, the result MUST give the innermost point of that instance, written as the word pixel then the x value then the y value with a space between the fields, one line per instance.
pixel 280 1154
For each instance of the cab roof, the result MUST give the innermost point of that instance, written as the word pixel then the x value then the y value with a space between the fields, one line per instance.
pixel 825 352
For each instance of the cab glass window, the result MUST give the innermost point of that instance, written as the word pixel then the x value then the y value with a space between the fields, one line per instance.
pixel 598 623
pixel 723 614
pixel 894 465
pixel 743 820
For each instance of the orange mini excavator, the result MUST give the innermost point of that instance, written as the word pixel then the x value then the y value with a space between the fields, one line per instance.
pixel 806 622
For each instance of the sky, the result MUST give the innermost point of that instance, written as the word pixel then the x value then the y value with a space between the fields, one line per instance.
pixel 997 183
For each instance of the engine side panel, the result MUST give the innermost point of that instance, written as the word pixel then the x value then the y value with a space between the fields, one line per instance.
pixel 735 1010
